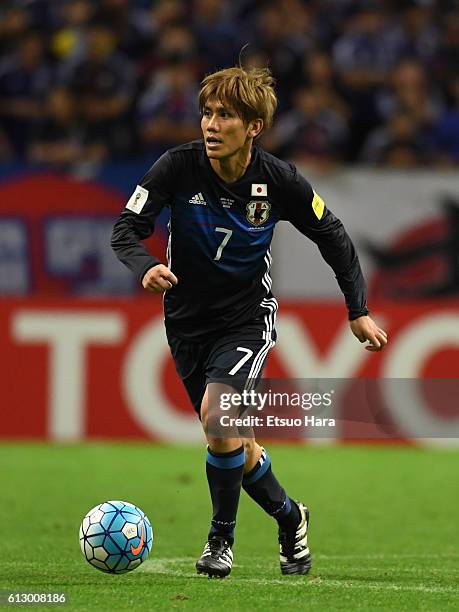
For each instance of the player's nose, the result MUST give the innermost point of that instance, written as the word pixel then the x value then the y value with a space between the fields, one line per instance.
pixel 212 124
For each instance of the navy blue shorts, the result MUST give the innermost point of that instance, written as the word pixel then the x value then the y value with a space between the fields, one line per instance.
pixel 235 357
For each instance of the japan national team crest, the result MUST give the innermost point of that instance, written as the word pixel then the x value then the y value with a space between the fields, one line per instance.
pixel 258 211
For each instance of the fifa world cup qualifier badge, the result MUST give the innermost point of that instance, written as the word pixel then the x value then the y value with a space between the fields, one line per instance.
pixel 258 211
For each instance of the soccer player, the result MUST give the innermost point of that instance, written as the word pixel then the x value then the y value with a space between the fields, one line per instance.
pixel 225 195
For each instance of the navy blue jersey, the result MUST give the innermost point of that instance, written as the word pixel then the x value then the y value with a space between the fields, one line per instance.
pixel 220 235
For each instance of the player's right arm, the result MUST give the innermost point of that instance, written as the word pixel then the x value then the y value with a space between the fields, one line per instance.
pixel 137 222
pixel 158 279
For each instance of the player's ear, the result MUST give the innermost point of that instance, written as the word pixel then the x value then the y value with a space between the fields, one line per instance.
pixel 255 127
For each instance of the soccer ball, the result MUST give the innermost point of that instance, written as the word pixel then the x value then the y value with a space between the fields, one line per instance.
pixel 116 537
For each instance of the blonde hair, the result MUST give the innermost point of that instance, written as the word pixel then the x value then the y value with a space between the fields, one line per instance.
pixel 250 93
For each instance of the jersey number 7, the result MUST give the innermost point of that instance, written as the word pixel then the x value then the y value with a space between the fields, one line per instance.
pixel 228 233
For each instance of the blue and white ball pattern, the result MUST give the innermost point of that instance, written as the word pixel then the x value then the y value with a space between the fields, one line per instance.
pixel 116 537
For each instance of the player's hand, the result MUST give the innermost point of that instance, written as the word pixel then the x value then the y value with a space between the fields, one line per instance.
pixel 159 279
pixel 365 329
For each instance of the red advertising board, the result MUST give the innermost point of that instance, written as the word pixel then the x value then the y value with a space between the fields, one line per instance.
pixel 89 369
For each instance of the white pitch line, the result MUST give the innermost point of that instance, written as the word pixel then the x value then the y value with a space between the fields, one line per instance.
pixel 348 584
pixel 169 560
pixel 406 570
pixel 392 556
pixel 451 556
pixel 162 566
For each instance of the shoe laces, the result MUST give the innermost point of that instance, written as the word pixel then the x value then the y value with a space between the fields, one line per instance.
pixel 217 545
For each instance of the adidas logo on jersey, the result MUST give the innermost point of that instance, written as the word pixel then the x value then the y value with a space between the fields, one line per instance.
pixel 198 199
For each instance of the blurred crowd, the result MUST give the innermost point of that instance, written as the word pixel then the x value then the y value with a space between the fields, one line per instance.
pixel 359 81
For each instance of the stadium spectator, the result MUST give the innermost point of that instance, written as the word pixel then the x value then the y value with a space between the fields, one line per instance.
pixel 402 156
pixel 14 22
pixel 398 143
pixel 168 112
pixel 25 76
pixel 166 12
pixel 446 131
pixel 363 55
pixel 59 138
pixel 369 47
pixel 176 43
pixel 70 39
pixel 215 33
pixel 410 92
pixel 364 61
pixel 447 59
pixel 272 34
pixel 103 82
pixel 44 14
pixel 311 133
pixel 408 89
pixel 420 31
pixel 299 27
pixel 129 25
pixel 320 77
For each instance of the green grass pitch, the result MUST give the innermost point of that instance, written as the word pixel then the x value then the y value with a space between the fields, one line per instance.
pixel 383 535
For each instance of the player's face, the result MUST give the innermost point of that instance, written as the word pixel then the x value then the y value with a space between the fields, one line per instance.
pixel 223 130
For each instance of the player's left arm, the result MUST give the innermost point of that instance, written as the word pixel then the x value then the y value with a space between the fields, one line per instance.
pixel 365 329
pixel 306 210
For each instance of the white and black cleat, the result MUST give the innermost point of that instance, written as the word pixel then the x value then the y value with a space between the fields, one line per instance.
pixel 216 559
pixel 294 552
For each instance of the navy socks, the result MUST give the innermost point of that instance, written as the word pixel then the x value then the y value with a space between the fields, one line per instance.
pixel 264 488
pixel 224 475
